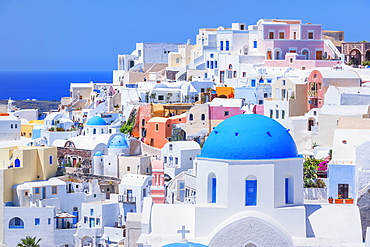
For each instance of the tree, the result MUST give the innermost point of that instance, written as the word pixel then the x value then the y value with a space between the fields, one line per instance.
pixel 169 95
pixel 310 177
pixel 29 242
pixel 152 96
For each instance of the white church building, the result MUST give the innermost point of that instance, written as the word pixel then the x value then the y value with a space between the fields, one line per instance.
pixel 249 192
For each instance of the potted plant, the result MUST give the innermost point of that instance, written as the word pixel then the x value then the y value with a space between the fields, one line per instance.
pixel 330 199
pixel 339 200
pixel 349 201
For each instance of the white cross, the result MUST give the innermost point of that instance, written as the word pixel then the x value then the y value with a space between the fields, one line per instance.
pixel 183 231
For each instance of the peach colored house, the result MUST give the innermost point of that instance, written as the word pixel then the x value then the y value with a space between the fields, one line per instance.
pixel 159 129
pixel 157 188
pixel 319 81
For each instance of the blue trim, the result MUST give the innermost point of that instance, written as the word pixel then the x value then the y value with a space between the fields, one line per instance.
pixel 255 44
pixel 286 190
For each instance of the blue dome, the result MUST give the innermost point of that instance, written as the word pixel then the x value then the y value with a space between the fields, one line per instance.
pixel 189 244
pixel 249 137
pixel 98 153
pixel 96 120
pixel 118 142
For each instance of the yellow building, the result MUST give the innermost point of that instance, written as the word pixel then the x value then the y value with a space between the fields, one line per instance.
pixel 26 129
pixel 21 164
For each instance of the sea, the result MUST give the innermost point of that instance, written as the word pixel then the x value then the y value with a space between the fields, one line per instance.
pixel 46 85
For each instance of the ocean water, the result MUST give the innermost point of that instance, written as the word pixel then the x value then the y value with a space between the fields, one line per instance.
pixel 45 85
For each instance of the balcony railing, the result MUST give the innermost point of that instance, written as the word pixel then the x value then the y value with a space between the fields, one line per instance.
pixel 126 199
pixel 312 93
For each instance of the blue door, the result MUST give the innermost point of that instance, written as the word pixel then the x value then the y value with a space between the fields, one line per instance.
pixel 286 190
pixel 251 192
pixel 213 190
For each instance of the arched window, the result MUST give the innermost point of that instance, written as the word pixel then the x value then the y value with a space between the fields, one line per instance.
pixel 17 163
pixel 191 117
pixel 251 191
pixel 268 55
pixel 94 131
pixel 212 188
pixel 16 223
pixel 102 130
pixel 278 54
pixel 289 189
pixel 203 117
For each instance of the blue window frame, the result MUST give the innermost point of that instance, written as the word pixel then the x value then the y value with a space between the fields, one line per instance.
pixel 255 44
pixel 205 75
pixel 50 159
pixel 269 80
pixel 221 45
pixel 211 55
pixel 211 65
pixel 227 45
pixel 207 64
pixel 49 221
pixel 16 223
pixel 250 192
pixel 37 190
pixel 91 212
pixel 215 64
pixel 214 190
pixel 253 83
pixel 37 221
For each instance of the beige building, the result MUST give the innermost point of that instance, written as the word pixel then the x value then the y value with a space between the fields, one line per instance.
pixel 22 164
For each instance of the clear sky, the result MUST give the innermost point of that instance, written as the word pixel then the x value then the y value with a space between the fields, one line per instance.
pixel 87 35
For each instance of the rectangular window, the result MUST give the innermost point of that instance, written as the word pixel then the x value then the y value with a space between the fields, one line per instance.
pixel 37 221
pixel 128 168
pixel 221 45
pixel 250 192
pixel 165 159
pixel 54 190
pixel 97 221
pixel 49 221
pixel 207 64
pixel 11 126
pixel 139 53
pixel 271 34
pixel 281 35
pixel 85 220
pixel 269 80
pixel 182 191
pixel 255 44
pixel 227 45
pixel 271 113
pixel 156 127
pixel 177 60
pixel 244 74
pixel 176 161
pixel 282 114
pixel 37 190
pixel 170 147
pixel 294 35
pixel 91 212
pixel 15 126
pixel 50 159
pixel 253 83
pixel 318 55
pixel 260 102
pixel 277 113
pixel 310 35
pixel 211 65
pixel 213 190
pixel 215 64
pixel 211 55
pixel 160 97
pixel 226 113
pixel 235 74
pixel 283 82
pixel 286 190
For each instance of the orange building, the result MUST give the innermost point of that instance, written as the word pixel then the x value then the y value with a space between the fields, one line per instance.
pixel 225 92
pixel 159 129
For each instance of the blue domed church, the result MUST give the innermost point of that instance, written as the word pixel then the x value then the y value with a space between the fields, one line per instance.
pixel 249 193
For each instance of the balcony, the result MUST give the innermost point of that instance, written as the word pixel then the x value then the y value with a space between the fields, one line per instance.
pixel 126 199
pixel 312 94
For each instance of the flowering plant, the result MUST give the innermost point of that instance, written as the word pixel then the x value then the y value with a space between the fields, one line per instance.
pixel 339 196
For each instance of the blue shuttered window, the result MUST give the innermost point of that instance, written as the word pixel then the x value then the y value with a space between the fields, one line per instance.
pixel 221 45
pixel 250 192
pixel 227 45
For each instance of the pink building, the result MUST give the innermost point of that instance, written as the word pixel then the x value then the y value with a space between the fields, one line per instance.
pixel 157 188
pixel 291 43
